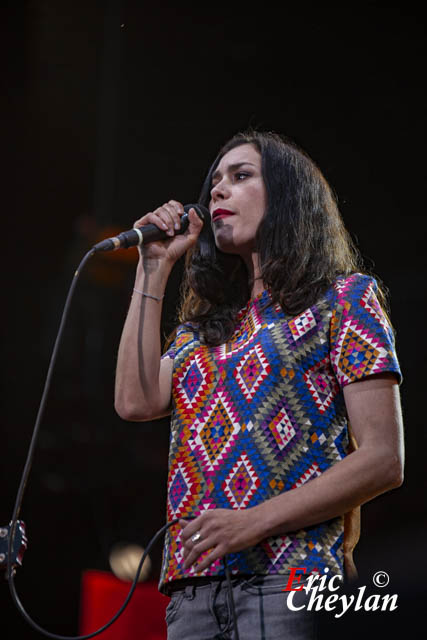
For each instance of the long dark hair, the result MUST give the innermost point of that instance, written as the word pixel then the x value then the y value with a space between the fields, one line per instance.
pixel 302 243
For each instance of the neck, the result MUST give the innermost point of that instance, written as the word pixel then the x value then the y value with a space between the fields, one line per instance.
pixel 254 274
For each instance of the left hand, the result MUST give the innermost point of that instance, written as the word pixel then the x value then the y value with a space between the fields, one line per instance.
pixel 222 531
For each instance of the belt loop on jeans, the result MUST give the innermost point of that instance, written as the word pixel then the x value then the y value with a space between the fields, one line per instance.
pixel 189 592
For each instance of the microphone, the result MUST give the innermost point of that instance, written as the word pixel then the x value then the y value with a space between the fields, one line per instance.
pixel 149 232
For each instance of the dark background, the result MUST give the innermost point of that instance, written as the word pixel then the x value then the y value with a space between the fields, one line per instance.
pixel 110 109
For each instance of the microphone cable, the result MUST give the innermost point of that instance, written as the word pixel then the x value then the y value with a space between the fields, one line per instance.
pixel 21 490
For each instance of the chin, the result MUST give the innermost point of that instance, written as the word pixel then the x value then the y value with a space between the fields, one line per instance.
pixel 227 242
pixel 224 239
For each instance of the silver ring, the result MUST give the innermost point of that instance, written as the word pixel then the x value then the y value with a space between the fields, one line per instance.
pixel 196 536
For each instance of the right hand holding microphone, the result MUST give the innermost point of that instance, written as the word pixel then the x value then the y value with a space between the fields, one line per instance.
pixel 168 218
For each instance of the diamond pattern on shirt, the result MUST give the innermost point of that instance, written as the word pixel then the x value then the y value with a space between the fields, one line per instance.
pixel 265 414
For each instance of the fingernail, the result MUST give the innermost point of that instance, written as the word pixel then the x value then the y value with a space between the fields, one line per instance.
pixel 177 225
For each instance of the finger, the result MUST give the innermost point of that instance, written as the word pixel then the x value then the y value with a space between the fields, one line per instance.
pixel 164 214
pixel 183 523
pixel 174 212
pixel 200 545
pixel 194 552
pixel 163 217
pixel 208 560
pixel 178 205
pixel 195 223
pixel 143 220
pixel 190 528
pixel 178 208
pixel 151 218
pixel 163 222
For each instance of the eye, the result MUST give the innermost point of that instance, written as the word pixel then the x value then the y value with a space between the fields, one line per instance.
pixel 241 175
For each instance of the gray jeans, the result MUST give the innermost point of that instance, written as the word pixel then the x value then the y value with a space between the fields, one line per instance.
pixel 204 612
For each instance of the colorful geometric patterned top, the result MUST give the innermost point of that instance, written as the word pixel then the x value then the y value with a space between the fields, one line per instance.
pixel 264 413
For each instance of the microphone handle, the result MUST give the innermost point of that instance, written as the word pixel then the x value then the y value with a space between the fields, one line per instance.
pixel 148 233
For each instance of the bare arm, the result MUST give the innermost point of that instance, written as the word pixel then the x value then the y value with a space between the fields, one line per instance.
pixel 374 411
pixel 143 380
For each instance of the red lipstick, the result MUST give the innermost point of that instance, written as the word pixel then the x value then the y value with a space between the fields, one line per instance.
pixel 221 213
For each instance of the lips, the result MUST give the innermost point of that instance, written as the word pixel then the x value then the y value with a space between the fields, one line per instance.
pixel 221 213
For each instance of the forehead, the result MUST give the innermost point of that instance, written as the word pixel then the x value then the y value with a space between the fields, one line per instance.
pixel 239 155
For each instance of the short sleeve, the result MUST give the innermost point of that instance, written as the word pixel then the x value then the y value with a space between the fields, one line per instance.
pixel 184 335
pixel 362 340
pixel 170 353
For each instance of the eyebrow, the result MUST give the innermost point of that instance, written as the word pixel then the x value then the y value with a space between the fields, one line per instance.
pixel 231 167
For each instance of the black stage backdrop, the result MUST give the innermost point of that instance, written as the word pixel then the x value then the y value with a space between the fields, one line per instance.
pixel 112 108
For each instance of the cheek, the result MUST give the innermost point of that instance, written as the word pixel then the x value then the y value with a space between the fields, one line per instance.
pixel 256 214
pixel 257 202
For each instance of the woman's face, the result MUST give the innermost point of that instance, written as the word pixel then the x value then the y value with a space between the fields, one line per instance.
pixel 238 200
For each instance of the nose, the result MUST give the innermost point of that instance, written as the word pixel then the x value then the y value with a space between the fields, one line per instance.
pixel 220 191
